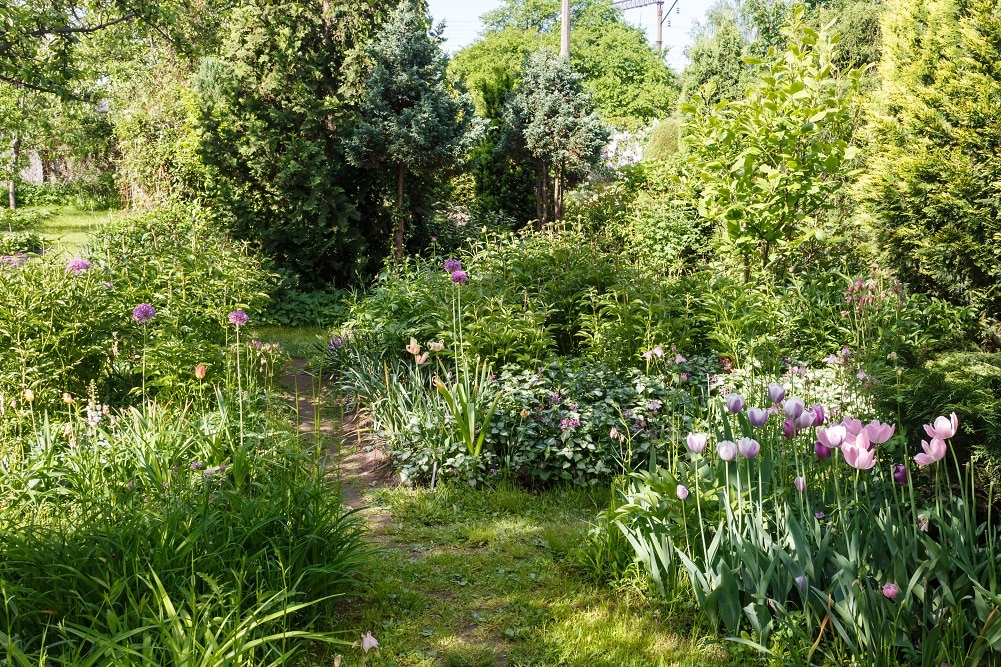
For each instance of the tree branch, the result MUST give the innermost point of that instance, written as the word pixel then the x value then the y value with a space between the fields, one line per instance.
pixel 68 30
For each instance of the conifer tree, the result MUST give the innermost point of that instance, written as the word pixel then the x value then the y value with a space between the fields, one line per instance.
pixel 934 182
pixel 411 122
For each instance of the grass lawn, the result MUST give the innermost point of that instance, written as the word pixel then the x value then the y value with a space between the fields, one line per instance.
pixel 69 227
pixel 494 577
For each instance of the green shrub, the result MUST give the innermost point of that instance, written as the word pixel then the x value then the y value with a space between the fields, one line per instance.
pixel 294 308
pixel 17 243
pixel 22 218
pixel 664 140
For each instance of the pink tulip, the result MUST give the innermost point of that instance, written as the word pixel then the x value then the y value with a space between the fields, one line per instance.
pixel 934 451
pixel 805 419
pixel 697 442
pixel 800 484
pixel 682 492
pixel 943 428
pixel 727 450
pixel 832 436
pixel 852 426
pixel 890 591
pixel 879 432
pixel 860 454
pixel 819 416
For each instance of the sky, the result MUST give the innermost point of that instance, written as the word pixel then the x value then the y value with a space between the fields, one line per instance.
pixel 462 23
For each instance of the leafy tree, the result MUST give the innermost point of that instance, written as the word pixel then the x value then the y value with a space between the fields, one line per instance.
pixel 409 118
pixel 717 56
pixel 766 167
pixel 552 119
pixel 15 119
pixel 934 181
pixel 275 107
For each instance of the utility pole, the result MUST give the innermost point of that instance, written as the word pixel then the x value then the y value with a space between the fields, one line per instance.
pixel 565 30
pixel 633 4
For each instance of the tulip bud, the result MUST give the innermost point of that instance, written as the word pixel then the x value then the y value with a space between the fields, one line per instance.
pixel 822 451
pixel 776 392
pixel 757 416
pixel 200 371
pixel 697 442
pixel 682 491
pixel 900 473
pixel 748 447
pixel 800 484
pixel 734 403
pixel 727 450
pixel 793 407
pixel 890 591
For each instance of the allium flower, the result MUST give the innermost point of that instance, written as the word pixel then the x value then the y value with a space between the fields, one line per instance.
pixel 682 492
pixel 793 407
pixel 734 403
pixel 78 266
pixel 238 318
pixel 143 313
pixel 727 450
pixel 879 432
pixel 776 392
pixel 459 276
pixel 697 442
pixel 890 591
pixel 900 473
pixel 368 642
pixel 943 428
pixel 800 484
pixel 934 451
pixel 748 447
pixel 757 416
pixel 822 451
pixel 452 265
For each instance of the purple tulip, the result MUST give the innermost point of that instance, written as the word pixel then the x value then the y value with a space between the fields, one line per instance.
pixel 822 451
pixel 776 392
pixel 757 416
pixel 800 484
pixel 727 450
pixel 819 415
pixel 682 492
pixel 805 419
pixel 789 428
pixel 900 473
pixel 793 407
pixel 734 403
pixel 697 442
pixel 890 591
pixel 748 447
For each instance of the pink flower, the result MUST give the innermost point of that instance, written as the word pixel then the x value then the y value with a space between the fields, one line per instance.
pixel 805 419
pixel 879 432
pixel 727 450
pixel 368 642
pixel 943 428
pixel 800 484
pixel 679 359
pixel 697 442
pixel 890 591
pixel 832 436
pixel 934 451
pixel 658 351
pixel 852 426
pixel 748 447
pixel 682 492
pixel 819 415
pixel 859 454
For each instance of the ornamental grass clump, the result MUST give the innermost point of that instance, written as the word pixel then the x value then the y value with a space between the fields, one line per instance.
pixel 810 557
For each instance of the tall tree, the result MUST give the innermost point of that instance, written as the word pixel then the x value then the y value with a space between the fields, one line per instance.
pixel 553 119
pixel 410 120
pixel 934 181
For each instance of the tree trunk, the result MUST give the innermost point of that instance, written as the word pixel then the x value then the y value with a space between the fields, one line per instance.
pixel 15 149
pixel 399 213
pixel 558 196
pixel 541 194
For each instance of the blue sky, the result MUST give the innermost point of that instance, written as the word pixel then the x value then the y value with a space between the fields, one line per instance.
pixel 462 23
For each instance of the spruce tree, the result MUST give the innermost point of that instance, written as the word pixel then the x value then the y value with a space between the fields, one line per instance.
pixel 411 122
pixel 934 182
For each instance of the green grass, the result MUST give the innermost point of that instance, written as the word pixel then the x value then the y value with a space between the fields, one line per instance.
pixel 69 228
pixel 297 342
pixel 492 577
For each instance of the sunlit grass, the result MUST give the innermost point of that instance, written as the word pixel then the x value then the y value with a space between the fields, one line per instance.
pixel 298 342
pixel 69 228
pixel 490 577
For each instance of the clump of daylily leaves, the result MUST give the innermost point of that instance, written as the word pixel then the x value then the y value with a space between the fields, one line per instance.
pixel 811 556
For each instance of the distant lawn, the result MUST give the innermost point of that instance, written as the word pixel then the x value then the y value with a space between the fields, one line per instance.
pixel 69 227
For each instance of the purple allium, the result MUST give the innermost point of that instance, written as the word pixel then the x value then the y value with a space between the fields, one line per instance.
pixel 459 276
pixel 78 266
pixel 757 416
pixel 238 318
pixel 900 473
pixel 143 313
pixel 452 265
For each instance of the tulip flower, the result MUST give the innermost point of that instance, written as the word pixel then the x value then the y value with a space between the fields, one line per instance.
pixel 890 591
pixel 789 428
pixel 899 473
pixel 852 426
pixel 859 454
pixel 934 451
pixel 757 416
pixel 697 442
pixel 819 416
pixel 800 484
pixel 682 492
pixel 943 428
pixel 727 450
pixel 832 436
pixel 793 407
pixel 879 432
pixel 822 451
pixel 805 419
pixel 776 392
pixel 748 447
pixel 734 403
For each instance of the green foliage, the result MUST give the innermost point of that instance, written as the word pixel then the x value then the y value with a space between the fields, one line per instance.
pixel 410 126
pixel 294 308
pixel 664 140
pixel 13 243
pixel 967 383
pixel 932 182
pixel 766 167
pixel 717 57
